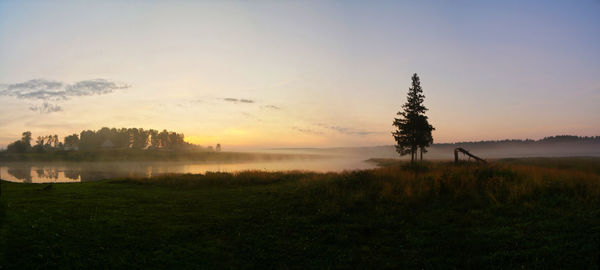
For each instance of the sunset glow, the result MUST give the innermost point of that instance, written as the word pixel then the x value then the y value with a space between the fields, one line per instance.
pixel 299 134
pixel 299 74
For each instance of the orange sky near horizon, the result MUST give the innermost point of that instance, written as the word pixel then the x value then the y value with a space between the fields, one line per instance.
pixel 253 75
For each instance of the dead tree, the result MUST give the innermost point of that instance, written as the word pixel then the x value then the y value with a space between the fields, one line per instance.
pixel 465 152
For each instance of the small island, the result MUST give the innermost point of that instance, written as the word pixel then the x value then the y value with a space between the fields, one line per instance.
pixel 125 144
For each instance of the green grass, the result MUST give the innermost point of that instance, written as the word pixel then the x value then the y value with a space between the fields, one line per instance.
pixel 437 215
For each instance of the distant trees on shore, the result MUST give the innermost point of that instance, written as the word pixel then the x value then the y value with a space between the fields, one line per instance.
pixel 22 145
pixel 545 140
pixel 105 138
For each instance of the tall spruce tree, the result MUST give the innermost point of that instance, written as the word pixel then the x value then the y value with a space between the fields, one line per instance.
pixel 425 139
pixel 414 130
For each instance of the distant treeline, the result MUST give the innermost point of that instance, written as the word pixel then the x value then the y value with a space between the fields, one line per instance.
pixel 104 139
pixel 551 139
pixel 554 146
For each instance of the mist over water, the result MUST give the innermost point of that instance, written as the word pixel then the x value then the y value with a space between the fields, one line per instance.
pixel 492 150
pixel 307 159
pixel 38 172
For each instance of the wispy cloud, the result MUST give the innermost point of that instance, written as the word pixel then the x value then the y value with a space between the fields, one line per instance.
pixel 349 131
pixel 272 107
pixel 41 89
pixel 93 87
pixel 236 100
pixel 307 130
pixel 46 108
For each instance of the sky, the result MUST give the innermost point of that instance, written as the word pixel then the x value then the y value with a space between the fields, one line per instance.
pixel 260 74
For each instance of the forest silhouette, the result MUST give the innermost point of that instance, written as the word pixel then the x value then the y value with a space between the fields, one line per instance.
pixel 104 139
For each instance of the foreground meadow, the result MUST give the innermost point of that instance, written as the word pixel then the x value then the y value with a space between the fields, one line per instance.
pixel 531 213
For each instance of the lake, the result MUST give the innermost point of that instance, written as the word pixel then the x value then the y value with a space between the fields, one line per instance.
pixel 44 172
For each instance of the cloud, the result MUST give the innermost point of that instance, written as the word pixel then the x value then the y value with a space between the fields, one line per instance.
pixel 94 87
pixel 343 130
pixel 32 89
pixel 349 131
pixel 46 108
pixel 272 107
pixel 235 100
pixel 42 89
pixel 40 84
pixel 307 130
pixel 250 101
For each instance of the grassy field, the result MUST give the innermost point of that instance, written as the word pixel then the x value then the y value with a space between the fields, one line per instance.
pixel 525 213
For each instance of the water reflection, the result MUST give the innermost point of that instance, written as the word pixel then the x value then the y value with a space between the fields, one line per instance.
pixel 49 173
pixel 93 171
pixel 72 173
pixel 23 174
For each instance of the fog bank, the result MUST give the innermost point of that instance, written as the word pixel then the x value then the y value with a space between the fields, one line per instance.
pixel 485 150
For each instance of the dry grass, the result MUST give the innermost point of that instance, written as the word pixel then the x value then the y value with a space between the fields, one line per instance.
pixel 503 215
pixel 469 185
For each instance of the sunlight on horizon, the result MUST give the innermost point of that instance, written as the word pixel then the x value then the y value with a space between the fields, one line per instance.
pixel 254 75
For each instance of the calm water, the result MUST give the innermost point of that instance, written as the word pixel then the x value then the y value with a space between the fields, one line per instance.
pixel 91 171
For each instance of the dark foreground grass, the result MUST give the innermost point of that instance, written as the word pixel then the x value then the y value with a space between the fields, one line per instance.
pixel 434 216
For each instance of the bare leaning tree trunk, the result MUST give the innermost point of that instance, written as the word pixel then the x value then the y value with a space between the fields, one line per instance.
pixel 464 151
